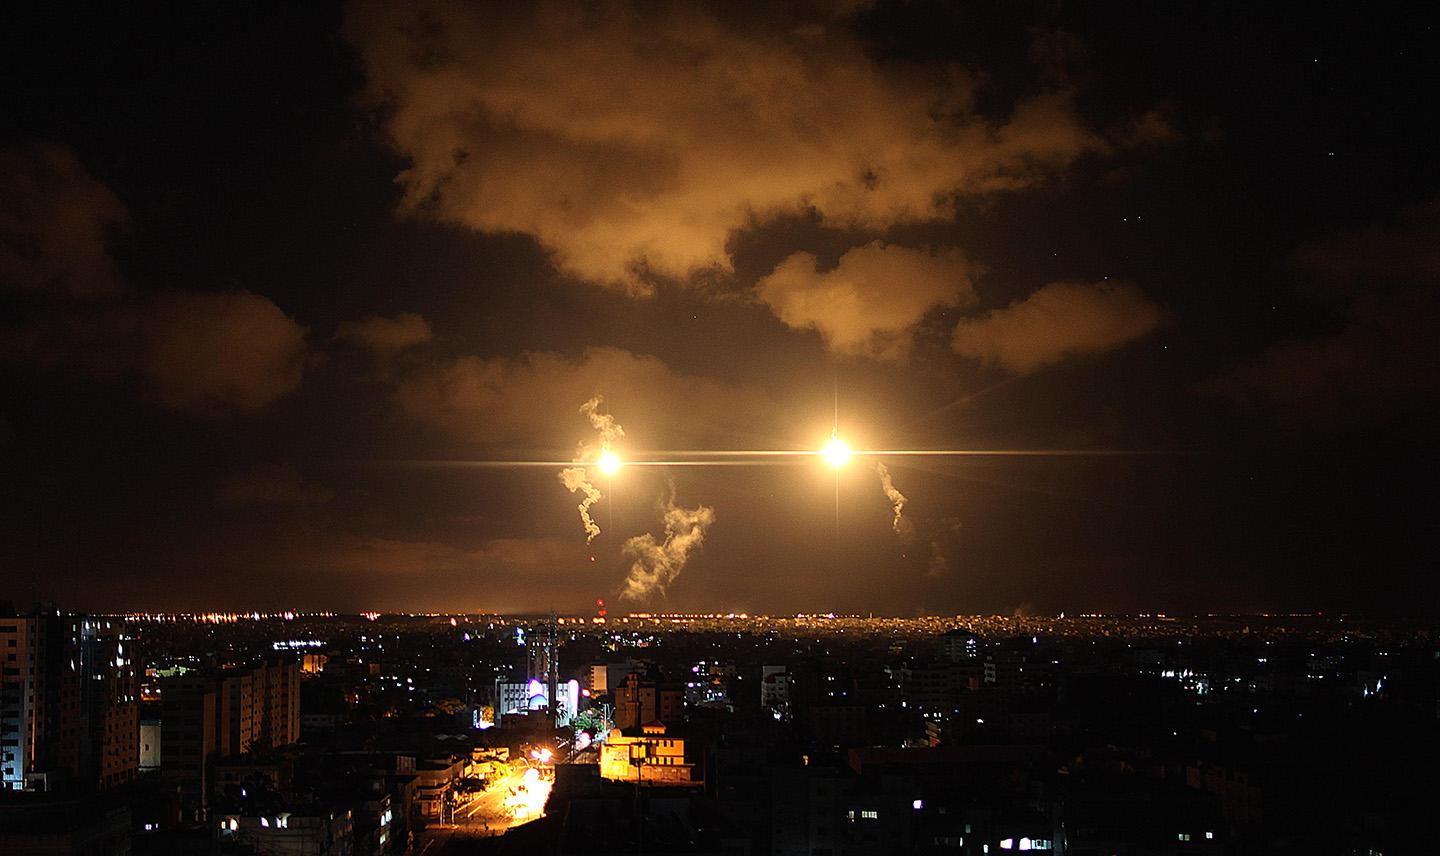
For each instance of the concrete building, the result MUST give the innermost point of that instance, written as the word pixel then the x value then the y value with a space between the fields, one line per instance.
pixel 187 738
pixel 597 678
pixel 936 687
pixel 227 715
pixel 616 673
pixel 519 697
pixel 647 755
pixel 435 780
pixel 290 834
pixel 775 692
pixel 150 744
pixel 640 700
pixel 69 703
pixel 959 644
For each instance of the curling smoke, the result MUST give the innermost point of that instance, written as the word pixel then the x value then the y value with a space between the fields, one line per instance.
pixel 897 499
pixel 609 429
pixel 657 565
pixel 577 479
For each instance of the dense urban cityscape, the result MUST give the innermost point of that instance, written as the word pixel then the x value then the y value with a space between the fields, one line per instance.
pixel 815 735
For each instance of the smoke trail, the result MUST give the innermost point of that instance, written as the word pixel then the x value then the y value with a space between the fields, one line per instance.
pixel 577 479
pixel 609 429
pixel 657 565
pixel 897 499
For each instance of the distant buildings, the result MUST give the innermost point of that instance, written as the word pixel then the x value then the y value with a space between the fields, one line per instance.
pixel 775 692
pixel 641 700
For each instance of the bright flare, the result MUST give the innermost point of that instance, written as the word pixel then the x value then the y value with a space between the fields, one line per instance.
pixel 609 463
pixel 836 452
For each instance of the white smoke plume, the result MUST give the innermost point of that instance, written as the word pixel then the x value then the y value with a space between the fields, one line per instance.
pixel 657 565
pixel 897 499
pixel 577 479
pixel 609 429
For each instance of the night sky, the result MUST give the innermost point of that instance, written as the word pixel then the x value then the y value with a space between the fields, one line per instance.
pixel 259 262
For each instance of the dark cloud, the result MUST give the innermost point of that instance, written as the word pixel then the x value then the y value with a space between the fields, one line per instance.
pixel 56 222
pixel 200 352
pixel 213 353
pixel 271 484
pixel 1383 364
pixel 869 303
pixel 1056 321
pixel 386 336
pixel 1405 250
pixel 204 353
pixel 361 555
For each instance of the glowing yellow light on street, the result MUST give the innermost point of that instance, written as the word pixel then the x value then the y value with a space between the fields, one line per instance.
pixel 836 452
pixel 609 463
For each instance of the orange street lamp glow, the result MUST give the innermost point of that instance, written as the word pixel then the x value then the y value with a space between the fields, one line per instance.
pixel 836 452
pixel 609 463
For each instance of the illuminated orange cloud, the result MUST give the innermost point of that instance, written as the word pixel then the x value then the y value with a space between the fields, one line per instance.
pixel 1059 320
pixel 868 304
pixel 499 401
pixel 630 138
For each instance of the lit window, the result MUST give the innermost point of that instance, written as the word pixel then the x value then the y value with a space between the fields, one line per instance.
pixel 917 804
pixel 1007 844
pixel 869 814
pixel 1024 844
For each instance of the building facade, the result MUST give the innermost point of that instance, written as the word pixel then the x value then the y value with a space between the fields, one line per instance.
pixel 69 703
pixel 647 755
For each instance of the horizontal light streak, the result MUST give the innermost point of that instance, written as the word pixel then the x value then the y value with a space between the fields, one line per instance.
pixel 783 457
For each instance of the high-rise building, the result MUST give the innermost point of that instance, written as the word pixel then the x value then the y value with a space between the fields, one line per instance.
pixel 233 713
pixel 187 738
pixel 69 702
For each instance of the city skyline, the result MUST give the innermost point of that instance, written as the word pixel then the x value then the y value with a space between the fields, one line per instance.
pixel 762 296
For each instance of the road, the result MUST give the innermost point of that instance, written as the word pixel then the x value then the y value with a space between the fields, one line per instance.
pixel 509 802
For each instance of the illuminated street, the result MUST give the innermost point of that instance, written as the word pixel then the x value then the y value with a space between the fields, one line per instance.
pixel 515 800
